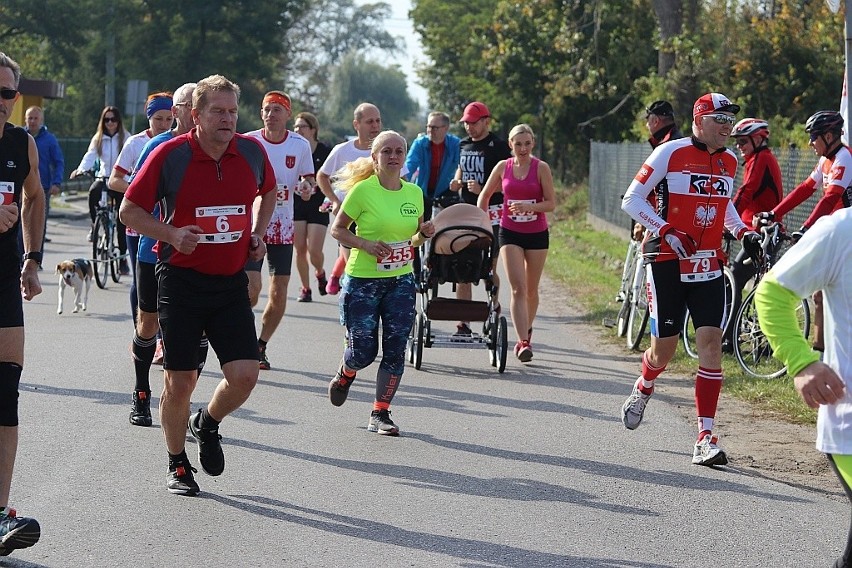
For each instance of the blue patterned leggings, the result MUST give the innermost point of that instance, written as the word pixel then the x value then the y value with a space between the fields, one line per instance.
pixel 363 302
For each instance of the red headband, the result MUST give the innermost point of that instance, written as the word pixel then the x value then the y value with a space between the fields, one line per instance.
pixel 282 100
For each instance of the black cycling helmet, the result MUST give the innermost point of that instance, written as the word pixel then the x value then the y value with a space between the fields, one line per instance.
pixel 824 121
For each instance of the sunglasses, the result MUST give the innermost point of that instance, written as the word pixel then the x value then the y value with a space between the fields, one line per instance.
pixel 721 118
pixel 8 94
pixel 110 119
pixel 813 136
pixel 741 141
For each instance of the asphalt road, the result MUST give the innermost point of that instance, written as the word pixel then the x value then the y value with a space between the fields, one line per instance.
pixel 528 468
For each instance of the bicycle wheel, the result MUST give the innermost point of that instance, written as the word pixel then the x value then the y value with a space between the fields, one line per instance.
pixel 637 321
pixel 688 331
pixel 751 347
pixel 100 252
pixel 114 253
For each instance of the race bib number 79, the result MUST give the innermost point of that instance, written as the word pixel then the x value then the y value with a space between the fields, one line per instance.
pixel 222 224
pixel 699 267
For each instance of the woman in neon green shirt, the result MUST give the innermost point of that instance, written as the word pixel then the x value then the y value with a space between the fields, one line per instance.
pixel 379 281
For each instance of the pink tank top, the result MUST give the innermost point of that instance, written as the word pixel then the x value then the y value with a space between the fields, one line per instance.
pixel 528 190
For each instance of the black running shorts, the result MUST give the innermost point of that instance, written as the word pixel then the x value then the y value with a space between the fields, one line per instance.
pixel 668 299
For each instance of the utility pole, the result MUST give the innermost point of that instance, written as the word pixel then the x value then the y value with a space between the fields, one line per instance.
pixel 109 84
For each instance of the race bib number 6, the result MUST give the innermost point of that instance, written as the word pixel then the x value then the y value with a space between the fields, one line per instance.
pixel 402 253
pixel 222 224
pixel 700 267
pixel 7 192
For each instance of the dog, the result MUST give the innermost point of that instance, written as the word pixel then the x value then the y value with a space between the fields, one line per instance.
pixel 77 274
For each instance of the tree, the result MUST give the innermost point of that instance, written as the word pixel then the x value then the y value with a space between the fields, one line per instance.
pixel 356 80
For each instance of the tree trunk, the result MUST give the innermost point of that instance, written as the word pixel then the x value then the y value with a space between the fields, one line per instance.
pixel 670 18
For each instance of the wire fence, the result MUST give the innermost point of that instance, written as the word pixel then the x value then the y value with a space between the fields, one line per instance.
pixel 613 165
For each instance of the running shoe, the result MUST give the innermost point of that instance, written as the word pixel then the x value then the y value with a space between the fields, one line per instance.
pixel 634 407
pixel 180 480
pixel 17 532
pixel 523 351
pixel 209 446
pixel 263 361
pixel 463 330
pixel 158 353
pixel 333 286
pixel 322 282
pixel 338 388
pixel 305 295
pixel 140 412
pixel 708 452
pixel 381 423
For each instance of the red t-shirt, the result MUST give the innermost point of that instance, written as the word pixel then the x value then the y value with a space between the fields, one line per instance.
pixel 194 189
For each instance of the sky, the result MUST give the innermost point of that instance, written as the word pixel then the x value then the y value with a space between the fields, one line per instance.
pixel 399 25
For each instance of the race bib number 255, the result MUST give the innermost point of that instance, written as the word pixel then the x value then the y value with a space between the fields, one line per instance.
pixel 221 224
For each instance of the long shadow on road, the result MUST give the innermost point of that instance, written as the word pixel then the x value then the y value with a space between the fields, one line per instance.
pixel 375 531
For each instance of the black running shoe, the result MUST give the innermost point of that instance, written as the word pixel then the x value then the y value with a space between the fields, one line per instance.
pixel 381 423
pixel 209 446
pixel 140 412
pixel 338 388
pixel 17 532
pixel 180 480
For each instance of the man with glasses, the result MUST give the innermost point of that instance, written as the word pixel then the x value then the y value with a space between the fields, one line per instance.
pixel 694 180
pixel 833 173
pixel 435 159
pixel 22 205
pixel 478 154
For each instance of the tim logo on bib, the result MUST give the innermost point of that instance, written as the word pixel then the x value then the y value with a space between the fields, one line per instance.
pixel 408 210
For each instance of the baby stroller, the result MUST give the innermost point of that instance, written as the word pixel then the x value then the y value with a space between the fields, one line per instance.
pixel 459 252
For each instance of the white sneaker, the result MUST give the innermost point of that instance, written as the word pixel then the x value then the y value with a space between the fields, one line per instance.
pixel 708 452
pixel 634 408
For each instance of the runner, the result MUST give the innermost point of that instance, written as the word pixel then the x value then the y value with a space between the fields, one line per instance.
pixel 684 243
pixel 206 181
pixel 527 186
pixel 822 260
pixel 379 284
pixel 479 153
pixel 22 206
pixel 310 220
pixel 291 159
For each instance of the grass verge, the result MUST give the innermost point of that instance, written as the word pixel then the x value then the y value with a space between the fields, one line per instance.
pixel 588 263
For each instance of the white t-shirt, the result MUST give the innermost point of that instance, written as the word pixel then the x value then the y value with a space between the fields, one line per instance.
pixel 822 260
pixel 291 158
pixel 131 152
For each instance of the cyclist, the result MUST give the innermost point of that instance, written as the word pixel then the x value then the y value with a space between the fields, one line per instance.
pixel 822 260
pixel 693 178
pixel 834 173
pixel 762 189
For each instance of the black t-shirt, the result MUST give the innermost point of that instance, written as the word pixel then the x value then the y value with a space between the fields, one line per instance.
pixel 478 160
pixel 14 169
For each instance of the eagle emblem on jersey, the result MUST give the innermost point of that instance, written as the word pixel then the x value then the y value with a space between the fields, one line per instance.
pixel 704 215
pixel 290 162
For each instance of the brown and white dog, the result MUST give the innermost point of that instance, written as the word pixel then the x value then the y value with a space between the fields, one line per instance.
pixel 77 274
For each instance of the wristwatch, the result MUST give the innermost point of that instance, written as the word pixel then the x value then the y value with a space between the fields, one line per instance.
pixel 36 256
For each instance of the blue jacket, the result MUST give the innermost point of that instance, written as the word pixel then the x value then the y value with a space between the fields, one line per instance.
pixel 420 160
pixel 51 164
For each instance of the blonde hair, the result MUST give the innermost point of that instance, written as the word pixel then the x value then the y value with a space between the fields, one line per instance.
pixel 358 170
pixel 521 129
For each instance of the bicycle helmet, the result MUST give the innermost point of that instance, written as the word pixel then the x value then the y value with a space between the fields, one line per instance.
pixel 751 127
pixel 824 121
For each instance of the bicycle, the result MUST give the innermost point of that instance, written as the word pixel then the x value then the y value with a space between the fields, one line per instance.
pixel 731 299
pixel 105 252
pixel 637 304
pixel 751 348
pixel 634 253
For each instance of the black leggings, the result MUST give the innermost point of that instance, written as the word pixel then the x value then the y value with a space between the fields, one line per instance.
pixel 95 192
pixel 844 561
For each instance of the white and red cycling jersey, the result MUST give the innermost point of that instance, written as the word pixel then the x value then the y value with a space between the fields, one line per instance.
pixel 694 189
pixel 834 174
